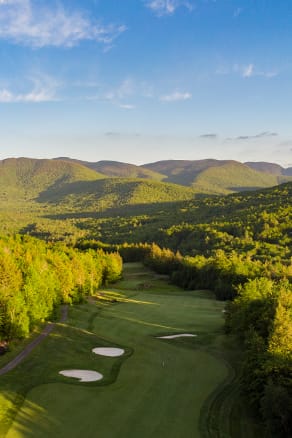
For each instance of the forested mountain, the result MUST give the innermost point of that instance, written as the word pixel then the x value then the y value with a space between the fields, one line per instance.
pixel 104 184
pixel 215 176
pixel 118 169
pixel 205 176
pixel 272 168
pixel 25 178
pixel 183 171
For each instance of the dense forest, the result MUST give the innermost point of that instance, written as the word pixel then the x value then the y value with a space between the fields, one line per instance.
pixel 35 278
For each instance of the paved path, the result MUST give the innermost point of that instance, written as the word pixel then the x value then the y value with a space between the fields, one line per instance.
pixel 28 349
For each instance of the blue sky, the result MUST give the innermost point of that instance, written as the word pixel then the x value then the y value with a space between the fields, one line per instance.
pixel 145 80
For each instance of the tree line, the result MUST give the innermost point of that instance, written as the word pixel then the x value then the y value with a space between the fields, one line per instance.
pixel 36 277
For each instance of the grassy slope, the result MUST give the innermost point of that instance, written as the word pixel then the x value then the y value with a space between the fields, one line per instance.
pixel 162 388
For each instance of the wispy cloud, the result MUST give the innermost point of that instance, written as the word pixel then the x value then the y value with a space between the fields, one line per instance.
pixel 127 106
pixel 265 134
pixel 167 7
pixel 237 12
pixel 124 90
pixel 26 22
pixel 246 71
pixel 250 70
pixel 176 96
pixel 43 90
pixel 118 96
pixel 209 136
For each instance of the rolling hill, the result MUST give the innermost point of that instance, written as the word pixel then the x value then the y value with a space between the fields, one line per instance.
pixel 113 192
pixel 273 168
pixel 182 172
pixel 26 178
pixel 217 176
pixel 76 185
pixel 118 169
pixel 205 176
pixel 232 177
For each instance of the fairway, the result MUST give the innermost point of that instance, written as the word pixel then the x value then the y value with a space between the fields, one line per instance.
pixel 157 388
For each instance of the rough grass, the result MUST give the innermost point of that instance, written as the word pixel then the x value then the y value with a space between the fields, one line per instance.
pixel 160 388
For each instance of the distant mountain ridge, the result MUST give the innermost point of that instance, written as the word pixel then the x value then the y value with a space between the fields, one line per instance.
pixel 117 169
pixel 207 176
pixel 105 184
pixel 265 167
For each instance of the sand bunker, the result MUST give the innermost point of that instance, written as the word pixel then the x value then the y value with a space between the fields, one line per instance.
pixel 82 375
pixel 110 352
pixel 182 335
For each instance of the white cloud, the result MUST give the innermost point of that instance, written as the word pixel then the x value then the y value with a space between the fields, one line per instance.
pixel 127 106
pixel 43 90
pixel 24 22
pixel 175 97
pixel 167 7
pixel 250 70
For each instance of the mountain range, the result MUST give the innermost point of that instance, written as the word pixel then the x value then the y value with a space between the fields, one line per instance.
pixel 77 184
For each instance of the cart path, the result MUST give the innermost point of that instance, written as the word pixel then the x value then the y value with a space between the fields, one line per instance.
pixel 28 349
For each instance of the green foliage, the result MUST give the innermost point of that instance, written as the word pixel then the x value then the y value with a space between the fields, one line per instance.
pixel 36 277
pixel 262 316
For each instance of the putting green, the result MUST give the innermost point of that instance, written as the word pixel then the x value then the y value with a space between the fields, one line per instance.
pixel 157 389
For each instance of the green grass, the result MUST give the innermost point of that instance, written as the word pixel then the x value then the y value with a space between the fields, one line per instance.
pixel 160 388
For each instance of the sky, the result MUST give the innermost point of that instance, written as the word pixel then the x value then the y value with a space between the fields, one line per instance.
pixel 140 81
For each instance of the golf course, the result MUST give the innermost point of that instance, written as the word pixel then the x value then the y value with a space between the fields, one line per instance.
pixel 156 384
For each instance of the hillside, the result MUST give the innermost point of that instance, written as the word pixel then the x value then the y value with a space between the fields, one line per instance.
pixel 217 176
pixel 207 176
pixel 68 184
pixel 26 178
pixel 256 221
pixel 273 168
pixel 118 169
pixel 232 177
pixel 182 172
pixel 113 192
pixel 262 166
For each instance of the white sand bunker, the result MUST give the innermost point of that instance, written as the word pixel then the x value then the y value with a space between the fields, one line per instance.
pixel 107 351
pixel 82 375
pixel 182 335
